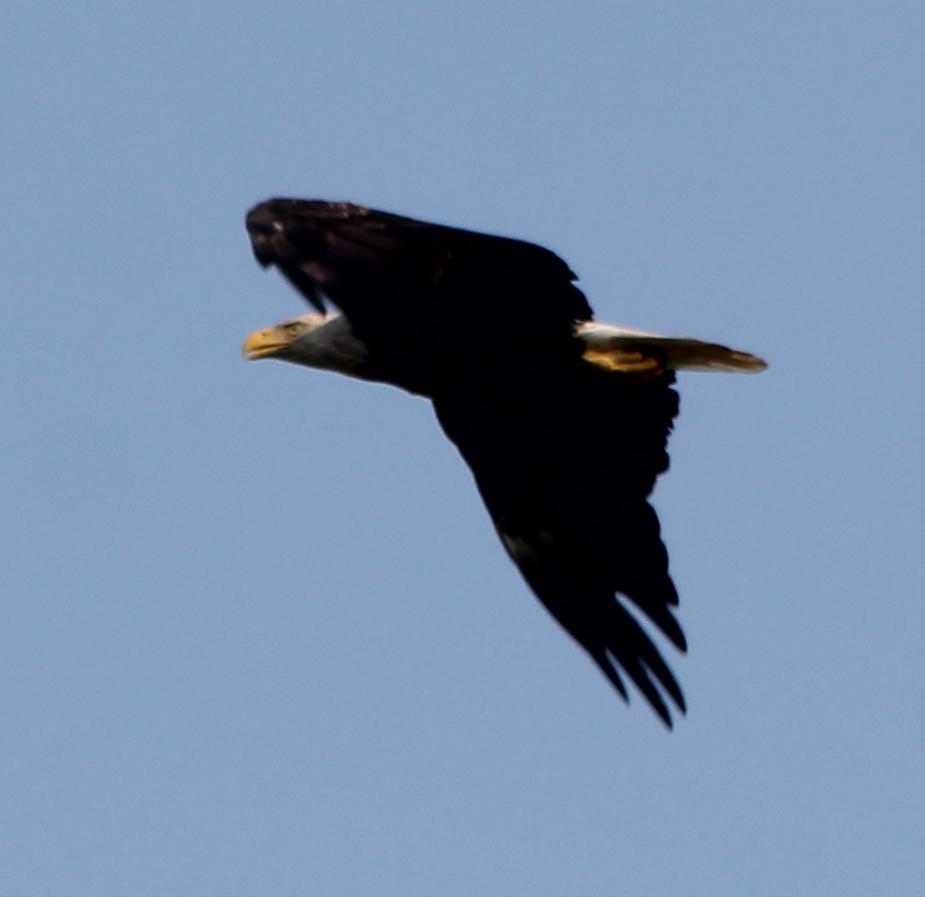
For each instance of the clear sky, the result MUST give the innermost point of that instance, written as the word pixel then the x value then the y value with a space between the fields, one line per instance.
pixel 257 636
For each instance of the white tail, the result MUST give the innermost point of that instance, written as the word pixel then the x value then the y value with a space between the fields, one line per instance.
pixel 681 354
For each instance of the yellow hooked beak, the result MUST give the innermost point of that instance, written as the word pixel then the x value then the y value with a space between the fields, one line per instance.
pixel 264 343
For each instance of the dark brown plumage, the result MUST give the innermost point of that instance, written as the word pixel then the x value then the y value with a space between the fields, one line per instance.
pixel 565 451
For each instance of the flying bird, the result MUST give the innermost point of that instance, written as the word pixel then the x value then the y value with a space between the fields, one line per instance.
pixel 563 421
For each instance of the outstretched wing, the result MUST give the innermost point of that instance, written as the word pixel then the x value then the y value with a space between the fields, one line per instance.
pixel 565 473
pixel 564 453
pixel 432 303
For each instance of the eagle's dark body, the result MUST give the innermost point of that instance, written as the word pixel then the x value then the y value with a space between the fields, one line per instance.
pixel 565 453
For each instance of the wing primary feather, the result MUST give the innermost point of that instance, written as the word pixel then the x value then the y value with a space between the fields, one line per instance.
pixel 611 672
pixel 628 643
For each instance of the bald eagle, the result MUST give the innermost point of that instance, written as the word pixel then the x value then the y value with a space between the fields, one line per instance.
pixel 563 421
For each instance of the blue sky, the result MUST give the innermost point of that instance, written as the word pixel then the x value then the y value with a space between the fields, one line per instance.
pixel 256 634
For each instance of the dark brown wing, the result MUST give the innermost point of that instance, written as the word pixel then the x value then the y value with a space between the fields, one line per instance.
pixel 564 453
pixel 428 300
pixel 565 472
